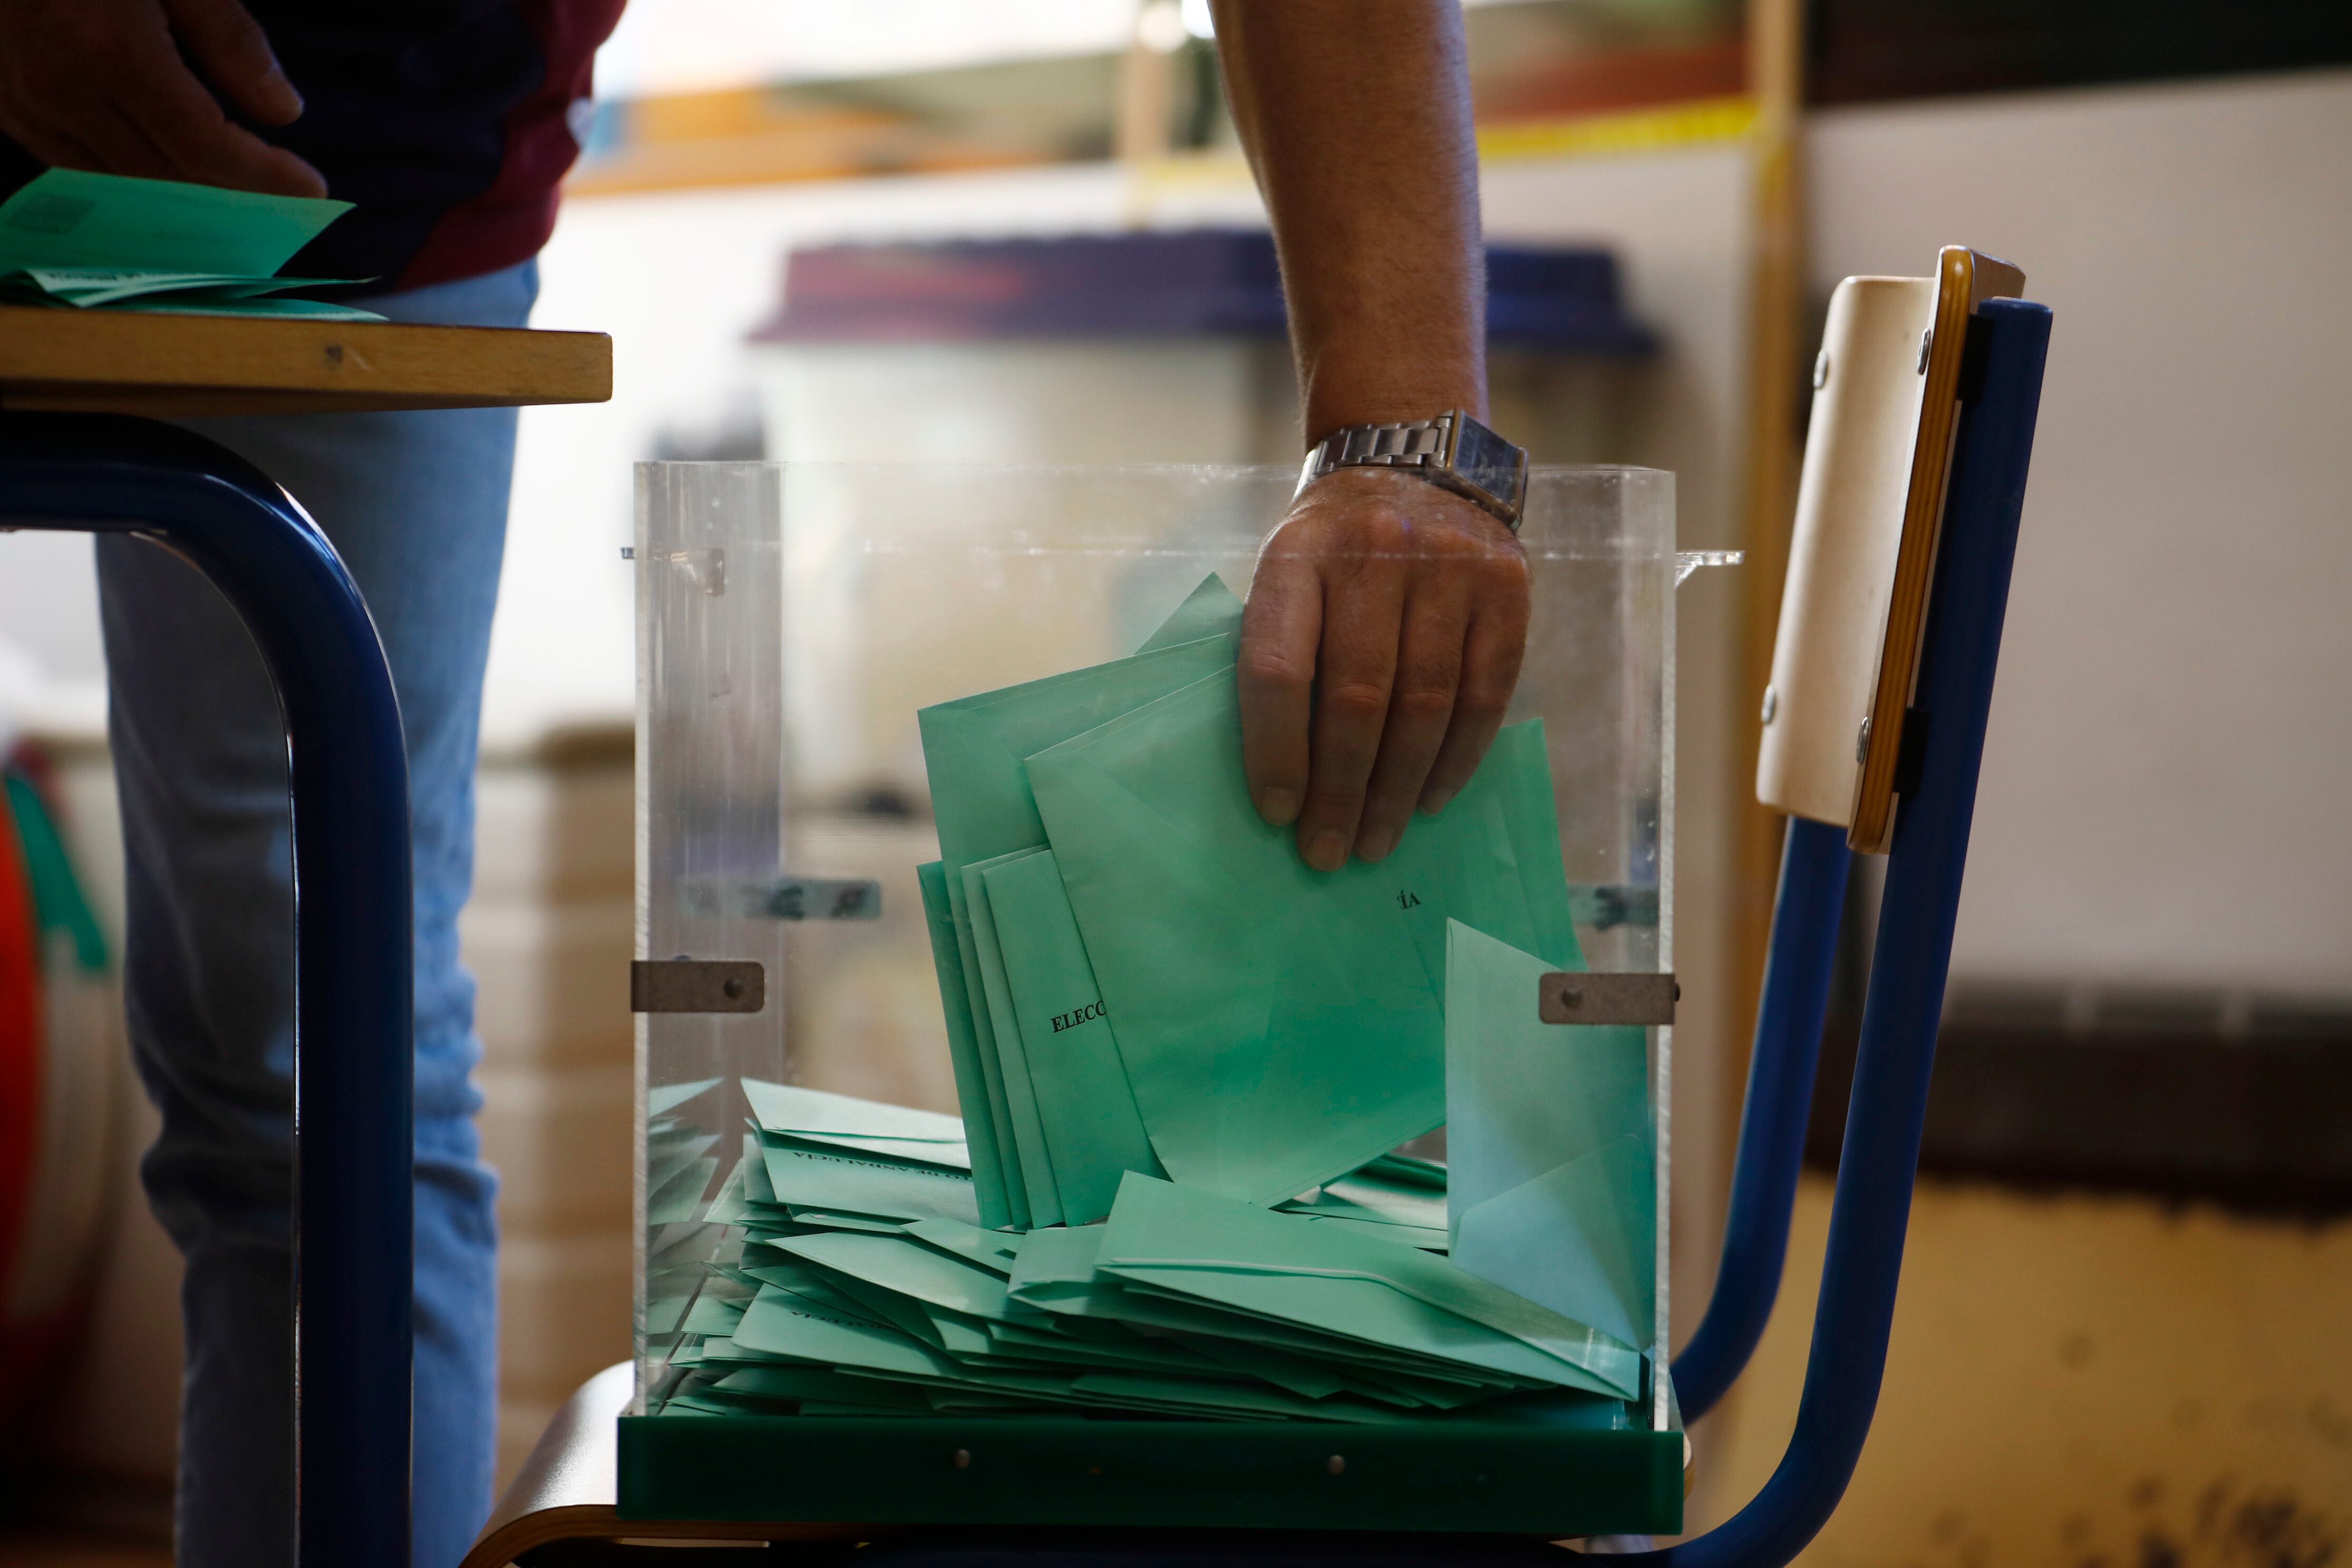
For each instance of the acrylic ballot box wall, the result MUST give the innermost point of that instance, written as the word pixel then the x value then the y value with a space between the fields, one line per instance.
pixel 795 621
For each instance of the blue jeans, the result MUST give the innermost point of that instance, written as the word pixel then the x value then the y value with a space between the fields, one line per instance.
pixel 416 503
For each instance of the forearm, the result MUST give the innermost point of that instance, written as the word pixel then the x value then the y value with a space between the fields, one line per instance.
pixel 1356 115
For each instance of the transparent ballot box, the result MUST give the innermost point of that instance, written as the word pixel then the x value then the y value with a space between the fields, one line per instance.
pixel 1026 1134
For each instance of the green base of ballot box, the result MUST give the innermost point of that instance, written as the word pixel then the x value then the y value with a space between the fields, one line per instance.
pixel 1456 1475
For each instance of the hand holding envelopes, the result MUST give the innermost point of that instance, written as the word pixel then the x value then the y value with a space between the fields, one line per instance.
pixel 1280 1025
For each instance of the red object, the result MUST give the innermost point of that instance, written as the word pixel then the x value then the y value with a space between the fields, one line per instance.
pixel 508 221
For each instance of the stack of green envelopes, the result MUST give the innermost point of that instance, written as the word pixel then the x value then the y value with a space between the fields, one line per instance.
pixel 93 241
pixel 1184 1303
pixel 1185 1061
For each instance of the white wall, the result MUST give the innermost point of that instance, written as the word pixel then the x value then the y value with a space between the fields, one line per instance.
pixel 2164 783
pixel 52 668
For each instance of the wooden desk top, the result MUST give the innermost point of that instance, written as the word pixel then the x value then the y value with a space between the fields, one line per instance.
pixel 110 362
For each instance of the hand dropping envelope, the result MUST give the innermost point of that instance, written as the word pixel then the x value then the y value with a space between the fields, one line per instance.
pixel 1552 1188
pixel 1279 1025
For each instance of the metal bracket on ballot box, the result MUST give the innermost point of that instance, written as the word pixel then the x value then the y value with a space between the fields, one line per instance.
pixel 697 985
pixel 1623 998
pixel 786 899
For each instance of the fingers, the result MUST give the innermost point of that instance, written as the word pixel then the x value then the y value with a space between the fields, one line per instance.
pixel 1419 604
pixel 1364 593
pixel 1280 628
pixel 58 149
pixel 1429 668
pixel 105 88
pixel 120 147
pixel 234 54
pixel 185 125
pixel 1490 669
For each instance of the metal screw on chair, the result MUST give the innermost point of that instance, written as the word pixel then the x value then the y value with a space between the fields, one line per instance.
pixel 1336 1464
pixel 732 990
pixel 964 1459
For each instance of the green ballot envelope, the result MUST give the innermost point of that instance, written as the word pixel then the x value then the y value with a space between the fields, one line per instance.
pixel 861 1126
pixel 999 1032
pixel 983 1110
pixel 1192 1242
pixel 1553 1189
pixel 1086 1109
pixel 97 241
pixel 973 750
pixel 1279 1025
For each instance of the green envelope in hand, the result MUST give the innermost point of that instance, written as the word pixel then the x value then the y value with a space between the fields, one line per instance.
pixel 1279 1025
pixel 973 749
pixel 1522 781
pixel 1210 610
pixel 1552 1188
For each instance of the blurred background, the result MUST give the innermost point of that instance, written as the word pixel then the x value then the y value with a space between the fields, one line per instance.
pixel 818 231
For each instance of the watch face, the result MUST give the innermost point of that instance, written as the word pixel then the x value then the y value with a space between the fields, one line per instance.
pixel 1489 462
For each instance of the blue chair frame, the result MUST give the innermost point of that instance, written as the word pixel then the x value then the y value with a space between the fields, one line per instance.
pixel 2008 341
pixel 353 933
pixel 348 784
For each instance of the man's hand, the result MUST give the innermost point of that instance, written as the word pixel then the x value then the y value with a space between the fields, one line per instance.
pixel 1379 647
pixel 1386 625
pixel 106 85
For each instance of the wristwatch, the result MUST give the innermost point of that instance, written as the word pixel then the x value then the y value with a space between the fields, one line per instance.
pixel 1452 450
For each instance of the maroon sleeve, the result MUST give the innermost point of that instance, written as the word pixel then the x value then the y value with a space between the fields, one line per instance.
pixel 509 221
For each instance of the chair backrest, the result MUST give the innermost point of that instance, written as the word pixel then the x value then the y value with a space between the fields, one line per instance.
pixel 1870 509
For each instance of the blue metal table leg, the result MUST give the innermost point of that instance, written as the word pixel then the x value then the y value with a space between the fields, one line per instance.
pixel 353 998
pixel 1889 1108
pixel 1797 975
